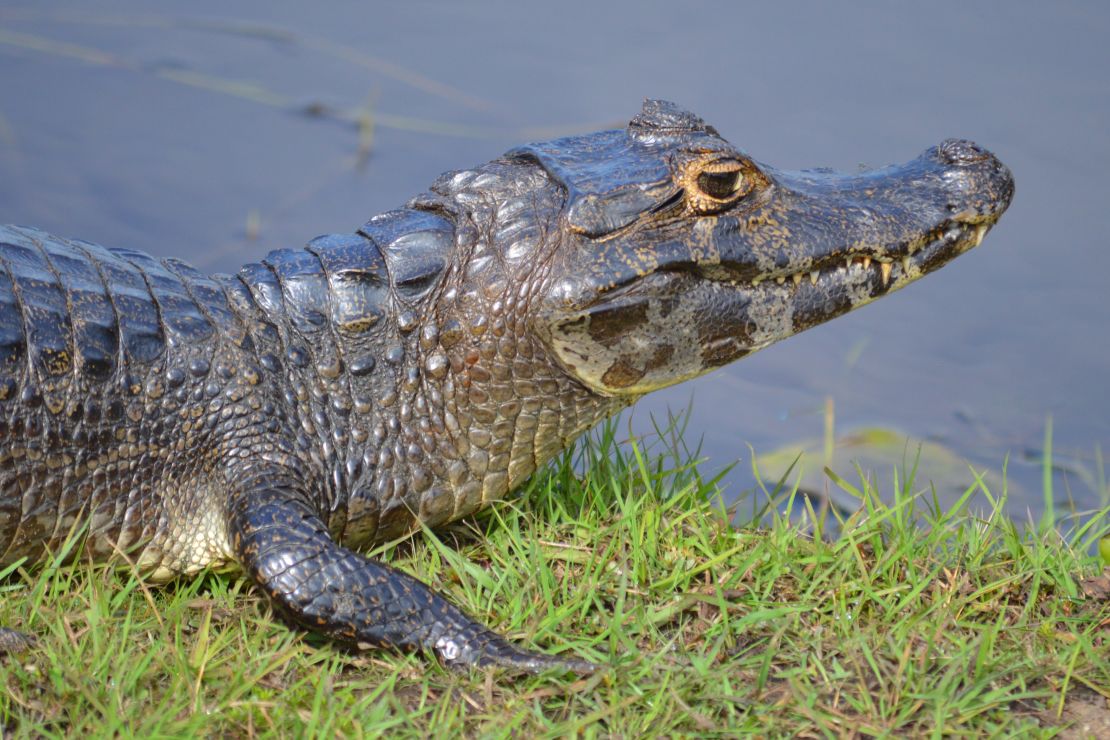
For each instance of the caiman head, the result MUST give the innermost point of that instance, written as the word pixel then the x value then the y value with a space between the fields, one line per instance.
pixel 679 253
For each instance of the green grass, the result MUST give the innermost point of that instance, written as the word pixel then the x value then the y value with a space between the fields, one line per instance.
pixel 913 622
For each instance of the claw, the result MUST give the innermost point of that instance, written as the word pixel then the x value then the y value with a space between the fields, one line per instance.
pixel 496 652
pixel 535 663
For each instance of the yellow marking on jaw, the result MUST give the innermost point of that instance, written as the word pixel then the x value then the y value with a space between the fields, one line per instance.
pixel 703 247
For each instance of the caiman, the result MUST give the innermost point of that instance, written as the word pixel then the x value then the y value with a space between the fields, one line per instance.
pixel 410 373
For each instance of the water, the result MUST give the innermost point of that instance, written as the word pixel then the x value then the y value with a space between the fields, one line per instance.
pixel 217 137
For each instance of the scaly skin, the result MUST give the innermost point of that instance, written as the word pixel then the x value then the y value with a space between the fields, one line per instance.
pixel 411 373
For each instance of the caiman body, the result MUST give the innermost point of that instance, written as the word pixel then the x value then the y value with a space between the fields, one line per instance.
pixel 334 396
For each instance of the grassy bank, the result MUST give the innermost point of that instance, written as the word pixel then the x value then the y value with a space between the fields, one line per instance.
pixel 913 621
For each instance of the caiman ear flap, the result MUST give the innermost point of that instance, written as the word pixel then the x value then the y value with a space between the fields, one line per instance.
pixel 610 179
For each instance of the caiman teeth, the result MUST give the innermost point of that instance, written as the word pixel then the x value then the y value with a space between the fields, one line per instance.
pixel 972 234
pixel 980 232
pixel 885 264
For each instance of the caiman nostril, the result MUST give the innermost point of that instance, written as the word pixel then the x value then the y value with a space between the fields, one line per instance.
pixel 962 152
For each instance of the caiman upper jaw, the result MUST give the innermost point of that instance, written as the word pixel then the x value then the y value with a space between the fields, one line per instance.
pixel 955 237
pixel 899 222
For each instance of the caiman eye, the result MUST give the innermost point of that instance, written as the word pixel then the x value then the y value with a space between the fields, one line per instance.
pixel 720 185
pixel 717 184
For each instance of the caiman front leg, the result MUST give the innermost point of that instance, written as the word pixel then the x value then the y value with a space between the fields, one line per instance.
pixel 285 547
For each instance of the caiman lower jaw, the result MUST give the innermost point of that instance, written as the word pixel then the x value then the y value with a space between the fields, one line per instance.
pixel 901 264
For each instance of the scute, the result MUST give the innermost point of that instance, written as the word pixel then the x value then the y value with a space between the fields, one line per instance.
pixel 140 326
pixel 664 117
pixel 416 246
pixel 95 328
pixel 182 318
pixel 44 310
pixel 358 281
pixel 304 287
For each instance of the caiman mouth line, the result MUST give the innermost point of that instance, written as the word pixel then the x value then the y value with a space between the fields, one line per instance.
pixel 955 235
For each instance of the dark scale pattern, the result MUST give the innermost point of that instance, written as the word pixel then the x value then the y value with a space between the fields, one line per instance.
pixel 341 394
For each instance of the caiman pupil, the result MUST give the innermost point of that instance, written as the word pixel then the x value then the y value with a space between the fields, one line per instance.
pixel 722 184
pixel 415 369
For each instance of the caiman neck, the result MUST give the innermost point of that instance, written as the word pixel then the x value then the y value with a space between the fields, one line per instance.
pixel 435 401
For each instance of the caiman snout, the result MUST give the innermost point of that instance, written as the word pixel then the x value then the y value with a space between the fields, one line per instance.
pixel 981 173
